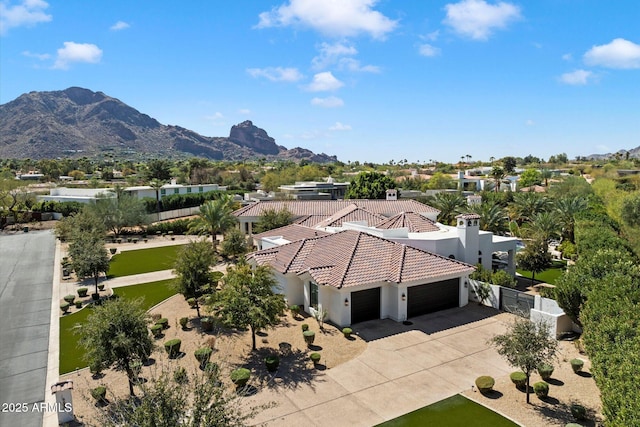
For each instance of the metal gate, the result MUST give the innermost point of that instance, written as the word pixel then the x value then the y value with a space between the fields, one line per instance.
pixel 516 302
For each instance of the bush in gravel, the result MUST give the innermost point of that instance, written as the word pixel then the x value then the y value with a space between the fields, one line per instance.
pixel 156 330
pixel 576 365
pixel 180 375
pixel 78 304
pixel 309 337
pixel 82 292
pixel 305 327
pixel 202 355
pixel 172 347
pixel 164 322
pixel 211 368
pixel 184 321
pixel 541 389
pixel 101 287
pixel 315 358
pixel 99 393
pixel 240 377
pixel 272 363
pixel 156 316
pixel 485 383
pixel 519 378
pixel 65 307
pixel 191 302
pixel 579 412
pixel 347 332
pixel 295 310
pixel 69 298
pixel 545 370
pixel 113 251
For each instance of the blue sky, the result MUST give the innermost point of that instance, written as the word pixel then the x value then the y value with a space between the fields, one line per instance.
pixel 362 79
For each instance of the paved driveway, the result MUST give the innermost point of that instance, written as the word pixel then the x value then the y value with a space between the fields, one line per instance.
pixel 26 269
pixel 404 368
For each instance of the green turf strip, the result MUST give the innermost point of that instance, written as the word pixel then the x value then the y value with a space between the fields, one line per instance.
pixel 550 275
pixel 143 261
pixel 71 353
pixel 456 411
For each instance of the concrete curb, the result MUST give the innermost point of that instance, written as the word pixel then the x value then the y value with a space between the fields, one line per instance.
pixel 50 418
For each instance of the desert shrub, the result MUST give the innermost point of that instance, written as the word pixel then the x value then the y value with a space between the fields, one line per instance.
pixel 541 389
pixel 192 302
pixel 305 327
pixel 347 332
pixel 156 330
pixel 202 355
pixel 113 250
pixel 579 412
pixel 211 369
pixel 207 323
pixel 315 358
pixel 78 304
pixel 164 322
pixel 180 375
pixel 69 298
pixel 95 296
pixel 481 274
pixel 519 378
pixel 545 370
pixel 272 363
pixel 295 310
pixel 82 292
pixel 65 307
pixel 172 347
pixel 309 337
pixel 95 367
pixel 184 321
pixel 576 365
pixel 568 249
pixel 99 393
pixel 502 278
pixel 485 383
pixel 240 377
pixel 101 287
pixel 156 316
pixel 178 226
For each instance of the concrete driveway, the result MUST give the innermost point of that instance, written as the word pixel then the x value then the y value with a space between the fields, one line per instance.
pixel 404 368
pixel 26 266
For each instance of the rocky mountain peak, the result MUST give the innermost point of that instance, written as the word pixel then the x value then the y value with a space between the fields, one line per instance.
pixel 251 136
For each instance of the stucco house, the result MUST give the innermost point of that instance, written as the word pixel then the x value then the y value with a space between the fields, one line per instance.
pixel 356 276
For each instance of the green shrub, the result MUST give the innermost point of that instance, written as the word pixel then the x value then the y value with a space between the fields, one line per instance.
pixel 541 389
pixel 481 274
pixel 347 332
pixel 309 337
pixel 519 378
pixel 211 369
pixel 545 370
pixel 295 310
pixel 82 292
pixel 568 249
pixel 164 322
pixel 203 354
pixel 113 250
pixel 180 375
pixel 95 297
pixel 272 363
pixel 576 365
pixel 156 316
pixel 207 323
pixel 305 327
pixel 315 358
pixel 172 347
pixel 65 307
pixel 178 226
pixel 69 298
pixel 191 302
pixel 502 278
pixel 485 383
pixel 101 287
pixel 156 330
pixel 579 412
pixel 78 304
pixel 184 321
pixel 95 368
pixel 240 377
pixel 99 393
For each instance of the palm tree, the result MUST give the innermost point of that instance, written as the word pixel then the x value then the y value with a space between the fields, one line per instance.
pixel 566 209
pixel 492 217
pixel 526 205
pixel 215 217
pixel 156 184
pixel 543 225
pixel 497 173
pixel 545 174
pixel 449 205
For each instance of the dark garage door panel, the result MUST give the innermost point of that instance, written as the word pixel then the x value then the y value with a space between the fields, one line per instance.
pixel 365 305
pixel 423 299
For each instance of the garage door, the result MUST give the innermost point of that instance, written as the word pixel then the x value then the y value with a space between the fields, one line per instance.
pixel 365 305
pixel 432 297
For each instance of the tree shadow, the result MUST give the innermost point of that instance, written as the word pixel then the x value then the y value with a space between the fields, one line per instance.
pixel 559 413
pixel 294 369
pixel 247 390
pixel 550 400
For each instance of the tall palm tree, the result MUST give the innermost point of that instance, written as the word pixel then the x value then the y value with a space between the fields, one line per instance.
pixel 526 205
pixel 543 225
pixel 497 173
pixel 449 205
pixel 546 174
pixel 566 210
pixel 492 217
pixel 157 184
pixel 215 217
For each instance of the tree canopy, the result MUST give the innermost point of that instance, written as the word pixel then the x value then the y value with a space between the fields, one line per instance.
pixel 215 217
pixel 370 185
pixel 193 270
pixel 273 218
pixel 89 257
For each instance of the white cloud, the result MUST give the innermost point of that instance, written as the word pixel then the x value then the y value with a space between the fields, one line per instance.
pixel 340 54
pixel 276 74
pixel 77 52
pixel 120 25
pixel 40 56
pixel 339 127
pixel 323 82
pixel 478 19
pixel 567 57
pixel 24 13
pixel 244 111
pixel 620 53
pixel 352 64
pixel 216 118
pixel 577 77
pixel 529 122
pixel 342 18
pixel 328 102
pixel 428 50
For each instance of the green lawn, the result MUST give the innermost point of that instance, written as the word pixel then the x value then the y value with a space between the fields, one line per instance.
pixel 456 411
pixel 550 275
pixel 143 261
pixel 71 354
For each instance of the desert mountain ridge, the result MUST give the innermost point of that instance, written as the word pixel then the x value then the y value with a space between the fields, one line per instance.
pixel 80 122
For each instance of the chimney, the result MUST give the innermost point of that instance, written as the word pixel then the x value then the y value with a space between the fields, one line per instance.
pixel 392 194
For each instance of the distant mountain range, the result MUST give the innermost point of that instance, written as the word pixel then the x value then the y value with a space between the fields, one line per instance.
pixel 634 153
pixel 79 122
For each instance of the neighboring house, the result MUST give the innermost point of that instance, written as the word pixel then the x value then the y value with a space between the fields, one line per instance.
pixel 313 190
pixel 82 195
pixel 146 191
pixel 356 276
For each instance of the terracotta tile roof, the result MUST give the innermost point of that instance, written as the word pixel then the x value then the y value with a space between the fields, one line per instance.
pixel 351 258
pixel 351 213
pixel 291 232
pixel 327 208
pixel 415 222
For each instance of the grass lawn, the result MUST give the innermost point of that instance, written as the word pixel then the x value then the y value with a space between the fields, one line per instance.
pixel 70 352
pixel 550 275
pixel 143 261
pixel 456 411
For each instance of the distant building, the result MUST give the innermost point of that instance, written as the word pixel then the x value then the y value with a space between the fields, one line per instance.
pixel 82 195
pixel 313 190
pixel 144 191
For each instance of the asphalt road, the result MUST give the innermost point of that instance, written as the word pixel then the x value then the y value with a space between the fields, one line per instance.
pixel 26 276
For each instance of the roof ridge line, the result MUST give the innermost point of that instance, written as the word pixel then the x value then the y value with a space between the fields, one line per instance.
pixel 402 258
pixel 353 253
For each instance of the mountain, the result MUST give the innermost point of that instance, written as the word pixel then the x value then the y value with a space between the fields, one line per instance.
pixel 634 153
pixel 80 122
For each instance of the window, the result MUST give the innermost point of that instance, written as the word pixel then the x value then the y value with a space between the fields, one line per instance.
pixel 200 190
pixel 313 295
pixel 163 191
pixel 176 191
pixel 188 190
